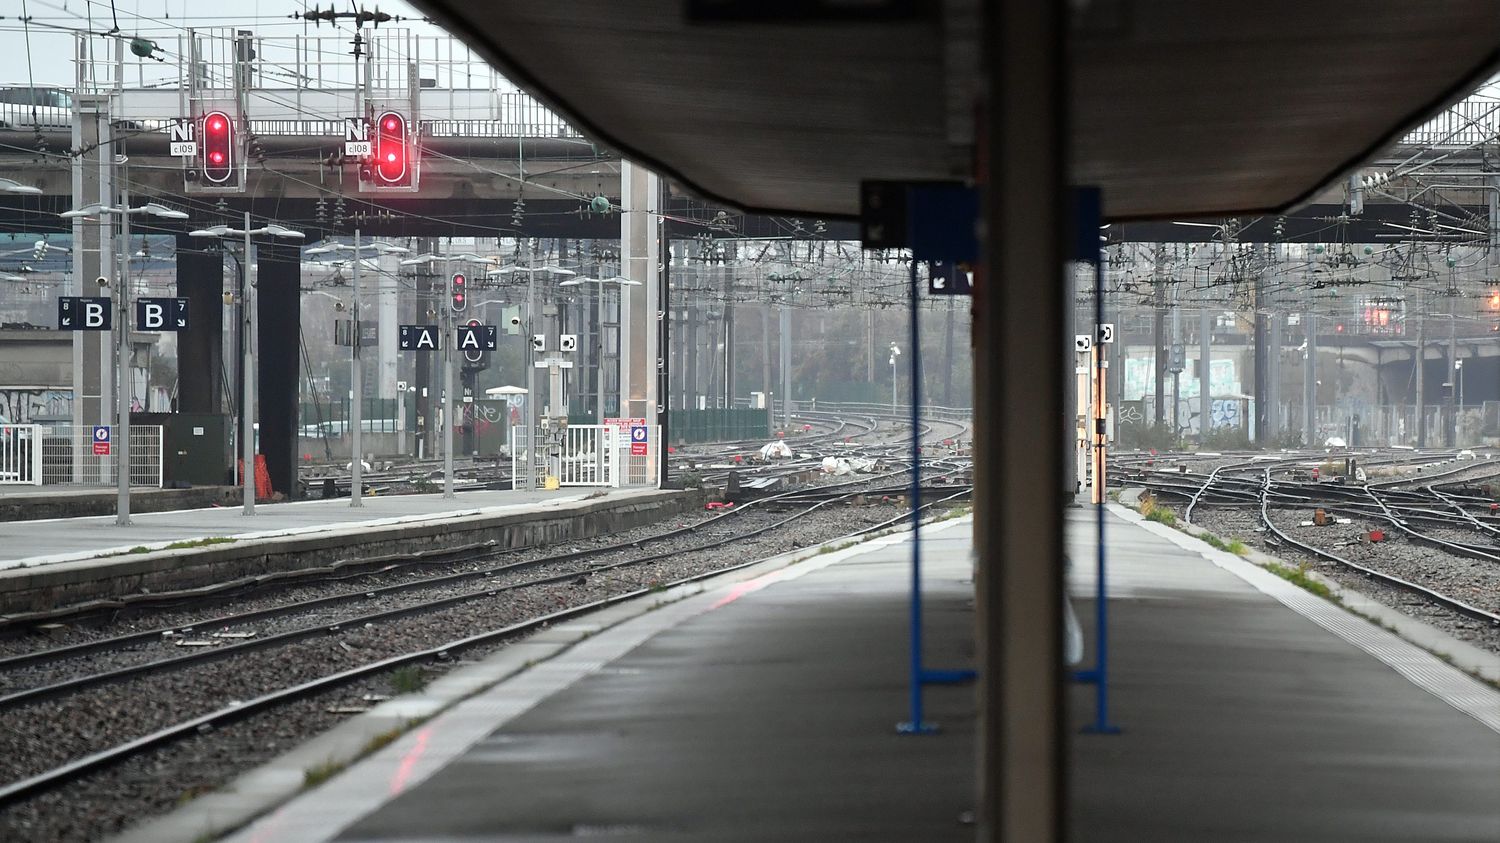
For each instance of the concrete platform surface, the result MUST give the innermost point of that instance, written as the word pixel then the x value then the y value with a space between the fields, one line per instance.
pixel 765 711
pixel 41 542
pixel 751 712
pixel 1251 710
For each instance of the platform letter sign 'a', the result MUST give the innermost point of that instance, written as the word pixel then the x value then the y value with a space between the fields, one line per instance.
pixel 418 337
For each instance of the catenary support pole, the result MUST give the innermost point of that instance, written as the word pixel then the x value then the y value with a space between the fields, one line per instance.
pixel 448 323
pixel 1310 383
pixel 122 364
pixel 357 388
pixel 247 397
pixel 1205 372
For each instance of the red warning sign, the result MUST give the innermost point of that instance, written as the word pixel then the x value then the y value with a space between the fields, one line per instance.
pixel 637 449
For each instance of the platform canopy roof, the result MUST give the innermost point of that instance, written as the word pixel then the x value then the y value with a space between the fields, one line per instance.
pixel 1179 107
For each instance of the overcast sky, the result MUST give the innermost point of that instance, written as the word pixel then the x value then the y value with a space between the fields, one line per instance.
pixel 51 48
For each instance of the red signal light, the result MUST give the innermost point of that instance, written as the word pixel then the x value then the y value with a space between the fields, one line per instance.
pixel 391 139
pixel 459 302
pixel 218 147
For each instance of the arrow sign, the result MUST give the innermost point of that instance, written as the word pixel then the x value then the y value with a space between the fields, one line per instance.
pixel 946 278
pixel 84 313
pixel 478 337
pixel 161 314
pixel 418 337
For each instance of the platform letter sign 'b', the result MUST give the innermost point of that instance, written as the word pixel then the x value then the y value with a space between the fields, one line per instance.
pixel 84 313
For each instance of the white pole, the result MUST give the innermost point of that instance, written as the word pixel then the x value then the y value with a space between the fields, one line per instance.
pixel 122 367
pixel 247 400
pixel 531 396
pixel 448 331
pixel 357 382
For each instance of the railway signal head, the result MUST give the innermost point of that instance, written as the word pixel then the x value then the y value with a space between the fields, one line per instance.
pixel 217 152
pixel 458 293
pixel 392 164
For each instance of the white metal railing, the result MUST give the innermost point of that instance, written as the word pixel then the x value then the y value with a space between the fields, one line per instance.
pixel 68 457
pixel 21 454
pixel 587 456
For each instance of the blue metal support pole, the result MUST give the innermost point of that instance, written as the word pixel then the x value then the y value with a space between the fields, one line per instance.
pixel 1099 676
pixel 919 676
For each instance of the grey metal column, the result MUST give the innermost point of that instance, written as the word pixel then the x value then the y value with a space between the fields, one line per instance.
pixel 785 337
pixel 1018 400
pixel 1450 430
pixel 447 321
pixel 765 364
pixel 123 375
pixel 91 251
pixel 1205 371
pixel 1273 378
pixel 247 398
pixel 357 385
pixel 1419 362
pixel 1310 383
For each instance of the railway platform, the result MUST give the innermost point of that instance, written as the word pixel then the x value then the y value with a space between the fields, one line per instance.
pixel 764 708
pixel 46 562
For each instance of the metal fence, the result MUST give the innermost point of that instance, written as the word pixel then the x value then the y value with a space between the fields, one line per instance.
pixel 68 457
pixel 588 455
pixel 21 454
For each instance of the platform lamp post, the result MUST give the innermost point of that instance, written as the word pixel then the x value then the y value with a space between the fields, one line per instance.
pixel 247 329
pixel 121 295
pixel 619 281
pixel 895 352
pixel 1458 428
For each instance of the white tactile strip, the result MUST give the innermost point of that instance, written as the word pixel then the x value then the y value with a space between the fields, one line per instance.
pixel 1420 667
pixel 322 814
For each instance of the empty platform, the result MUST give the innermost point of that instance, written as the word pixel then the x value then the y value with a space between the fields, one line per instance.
pixel 765 710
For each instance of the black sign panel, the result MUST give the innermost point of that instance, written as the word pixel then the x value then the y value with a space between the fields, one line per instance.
pixel 153 314
pixel 947 278
pixel 84 313
pixel 418 337
pixel 478 337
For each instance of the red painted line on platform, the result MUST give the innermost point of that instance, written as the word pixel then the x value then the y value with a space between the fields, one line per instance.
pixel 746 587
pixel 409 761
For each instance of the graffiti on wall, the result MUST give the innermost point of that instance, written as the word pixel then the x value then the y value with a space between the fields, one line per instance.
pixel 20 405
pixel 1140 379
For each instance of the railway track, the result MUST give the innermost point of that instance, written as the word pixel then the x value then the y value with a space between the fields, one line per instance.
pixel 547 580
pixel 1439 543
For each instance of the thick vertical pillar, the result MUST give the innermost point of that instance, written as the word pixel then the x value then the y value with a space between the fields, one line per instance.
pixel 641 255
pixel 200 349
pixel 387 311
pixel 92 256
pixel 784 335
pixel 278 359
pixel 1018 390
